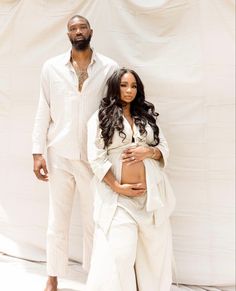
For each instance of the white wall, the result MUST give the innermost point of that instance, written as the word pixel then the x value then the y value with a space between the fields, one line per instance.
pixel 184 51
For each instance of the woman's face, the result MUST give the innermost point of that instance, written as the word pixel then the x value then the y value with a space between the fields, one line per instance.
pixel 128 88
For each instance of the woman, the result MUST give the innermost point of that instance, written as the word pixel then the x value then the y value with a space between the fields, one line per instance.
pixel 133 199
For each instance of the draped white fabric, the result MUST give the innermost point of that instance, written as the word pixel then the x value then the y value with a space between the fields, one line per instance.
pixel 184 52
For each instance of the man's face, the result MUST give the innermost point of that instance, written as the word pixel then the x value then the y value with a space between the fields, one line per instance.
pixel 79 33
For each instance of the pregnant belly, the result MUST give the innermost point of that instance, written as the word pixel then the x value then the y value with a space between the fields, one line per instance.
pixel 134 173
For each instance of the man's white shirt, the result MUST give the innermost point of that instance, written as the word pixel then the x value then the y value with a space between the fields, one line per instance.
pixel 63 111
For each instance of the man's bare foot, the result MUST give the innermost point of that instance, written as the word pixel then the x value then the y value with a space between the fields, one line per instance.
pixel 51 284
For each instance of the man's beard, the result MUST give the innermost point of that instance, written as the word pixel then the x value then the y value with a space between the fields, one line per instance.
pixel 82 44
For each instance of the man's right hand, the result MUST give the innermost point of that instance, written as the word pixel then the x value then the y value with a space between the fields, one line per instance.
pixel 40 167
pixel 131 190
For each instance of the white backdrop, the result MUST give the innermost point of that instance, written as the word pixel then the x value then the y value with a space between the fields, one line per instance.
pixel 184 52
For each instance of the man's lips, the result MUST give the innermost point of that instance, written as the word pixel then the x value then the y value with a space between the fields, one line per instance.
pixel 79 38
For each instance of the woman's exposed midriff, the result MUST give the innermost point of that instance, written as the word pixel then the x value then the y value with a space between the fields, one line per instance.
pixel 133 173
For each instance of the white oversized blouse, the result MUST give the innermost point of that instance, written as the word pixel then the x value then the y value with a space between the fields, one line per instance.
pixel 160 198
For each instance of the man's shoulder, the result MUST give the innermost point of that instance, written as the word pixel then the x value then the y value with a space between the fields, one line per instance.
pixel 55 60
pixel 106 61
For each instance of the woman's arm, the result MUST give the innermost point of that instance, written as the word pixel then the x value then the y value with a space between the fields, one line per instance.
pixel 124 189
pixel 162 148
pixel 139 153
pixel 97 154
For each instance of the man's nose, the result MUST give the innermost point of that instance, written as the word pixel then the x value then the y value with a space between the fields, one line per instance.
pixel 78 31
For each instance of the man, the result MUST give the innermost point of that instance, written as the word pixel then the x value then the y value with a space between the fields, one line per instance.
pixel 72 85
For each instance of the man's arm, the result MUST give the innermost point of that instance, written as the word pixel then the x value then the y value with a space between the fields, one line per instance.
pixel 41 125
pixel 42 118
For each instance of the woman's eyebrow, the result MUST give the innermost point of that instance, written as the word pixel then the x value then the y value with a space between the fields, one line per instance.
pixel 125 82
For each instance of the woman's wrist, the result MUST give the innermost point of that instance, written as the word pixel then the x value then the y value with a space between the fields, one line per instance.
pixel 155 153
pixel 151 153
pixel 116 186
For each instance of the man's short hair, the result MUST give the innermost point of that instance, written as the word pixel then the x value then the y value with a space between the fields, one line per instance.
pixel 78 16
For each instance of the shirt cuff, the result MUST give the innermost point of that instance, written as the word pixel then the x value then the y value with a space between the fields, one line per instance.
pixel 100 172
pixel 163 159
pixel 37 149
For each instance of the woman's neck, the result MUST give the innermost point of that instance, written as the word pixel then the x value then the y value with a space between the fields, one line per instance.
pixel 126 110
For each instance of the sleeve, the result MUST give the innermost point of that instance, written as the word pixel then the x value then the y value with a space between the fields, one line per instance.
pixel 42 118
pixel 163 147
pixel 97 155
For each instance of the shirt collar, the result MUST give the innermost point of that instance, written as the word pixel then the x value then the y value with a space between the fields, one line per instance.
pixel 67 57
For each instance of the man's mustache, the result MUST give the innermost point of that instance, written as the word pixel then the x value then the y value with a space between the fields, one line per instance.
pixel 79 37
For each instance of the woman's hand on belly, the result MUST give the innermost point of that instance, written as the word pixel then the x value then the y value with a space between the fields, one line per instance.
pixel 127 189
pixel 131 190
pixel 136 154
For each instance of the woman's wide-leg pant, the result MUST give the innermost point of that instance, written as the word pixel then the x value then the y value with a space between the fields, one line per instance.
pixel 135 254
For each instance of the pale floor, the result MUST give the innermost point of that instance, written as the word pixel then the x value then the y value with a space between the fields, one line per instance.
pixel 21 275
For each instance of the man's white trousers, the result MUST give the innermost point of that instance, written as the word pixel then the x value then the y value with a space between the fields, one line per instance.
pixel 65 178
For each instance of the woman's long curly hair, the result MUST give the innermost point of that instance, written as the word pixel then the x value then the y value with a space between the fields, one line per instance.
pixel 111 110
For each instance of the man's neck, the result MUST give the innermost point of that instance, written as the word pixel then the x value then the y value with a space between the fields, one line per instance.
pixel 81 56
